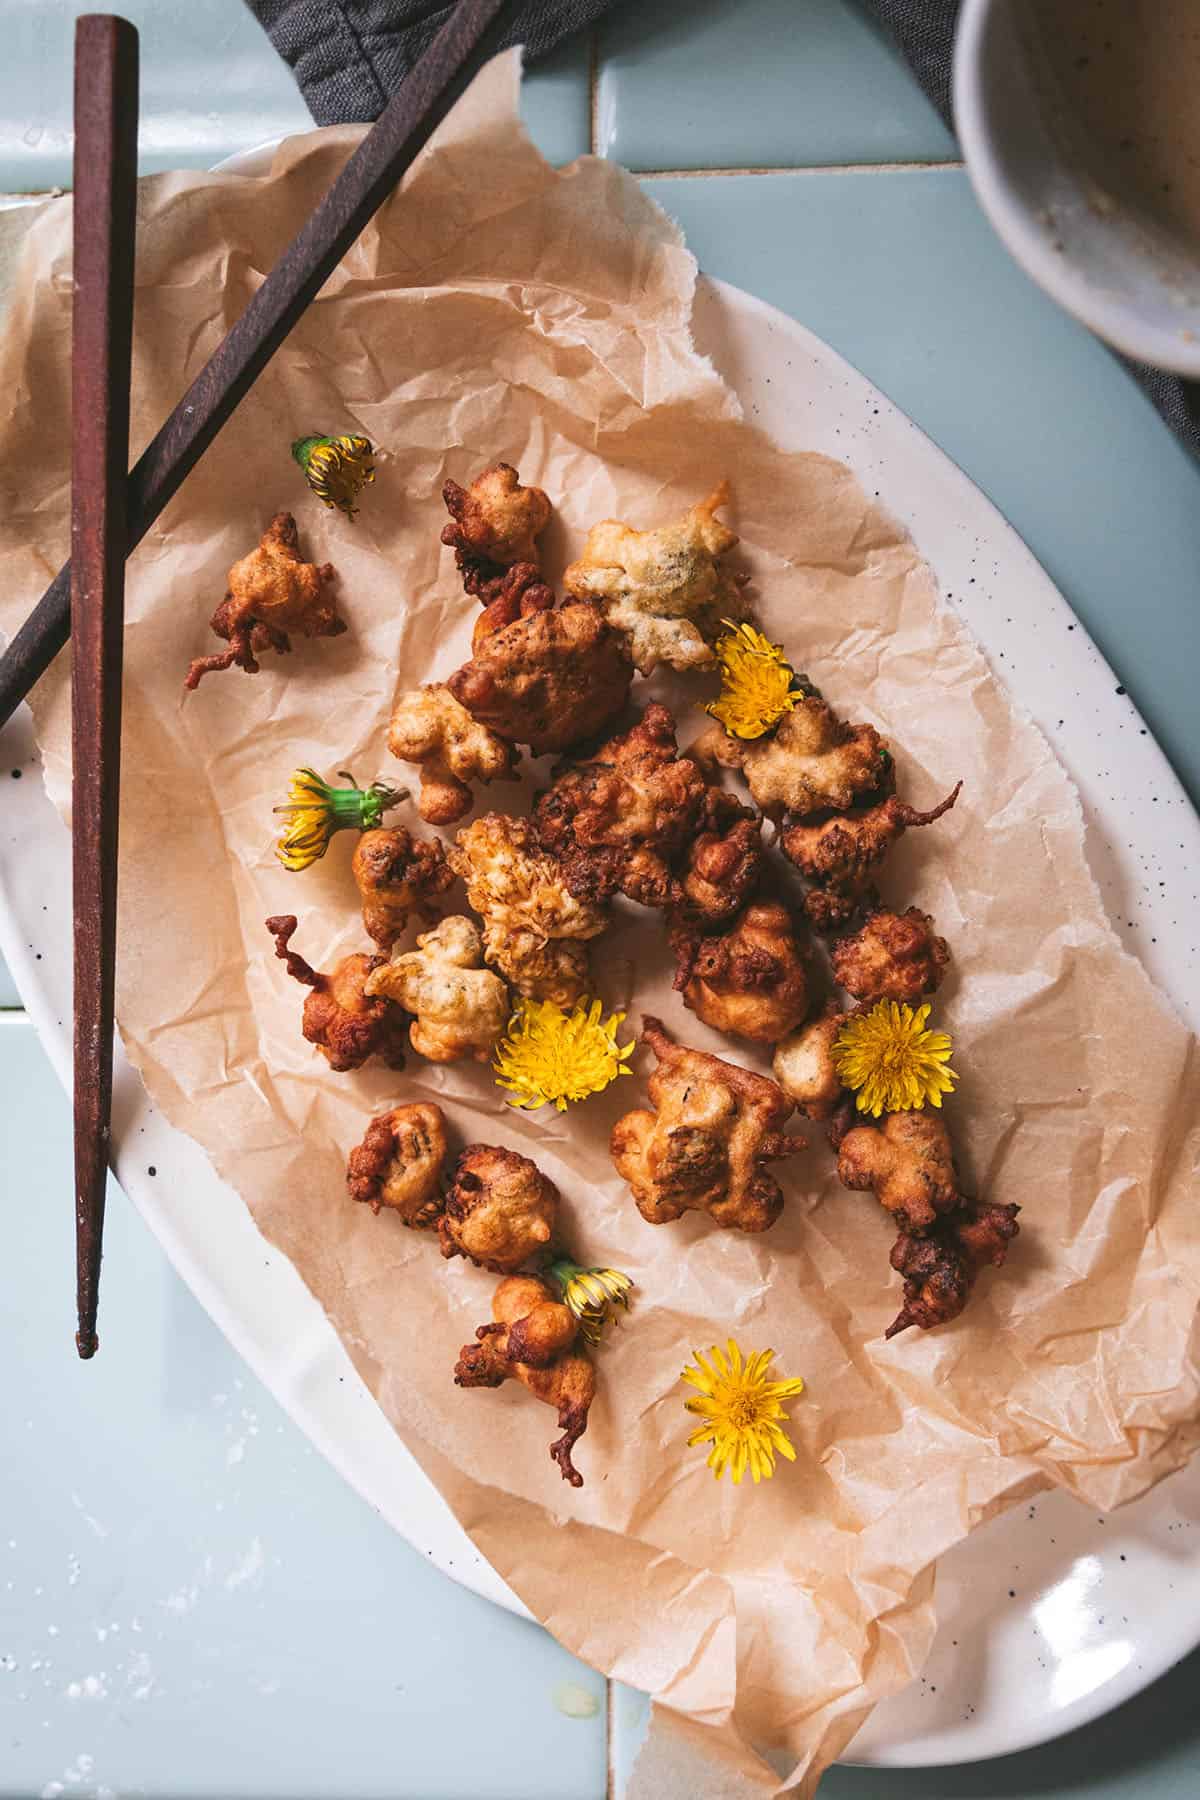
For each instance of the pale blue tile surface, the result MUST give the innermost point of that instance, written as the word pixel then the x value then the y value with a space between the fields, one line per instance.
pixel 764 83
pixel 211 84
pixel 192 1602
pixel 555 101
pixel 368 1645
pixel 902 274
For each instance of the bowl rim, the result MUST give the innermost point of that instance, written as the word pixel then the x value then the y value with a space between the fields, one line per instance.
pixel 1021 233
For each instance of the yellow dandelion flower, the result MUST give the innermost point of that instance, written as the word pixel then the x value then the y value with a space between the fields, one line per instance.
pixel 743 1418
pixel 315 810
pixel 336 468
pixel 591 1294
pixel 895 1064
pixel 551 1055
pixel 758 684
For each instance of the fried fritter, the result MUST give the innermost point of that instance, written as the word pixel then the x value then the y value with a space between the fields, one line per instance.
pixel 533 1340
pixel 534 928
pixel 396 874
pixel 841 855
pixel 894 956
pixel 495 524
pixel 429 727
pixel 724 860
pixel 271 592
pixel 500 1210
pixel 804 1067
pixel 907 1163
pixel 461 1008
pixel 548 680
pixel 616 821
pixel 399 1163
pixel 812 762
pixel 514 594
pixel 750 981
pixel 705 1146
pixel 939 1270
pixel 664 588
pixel 347 1026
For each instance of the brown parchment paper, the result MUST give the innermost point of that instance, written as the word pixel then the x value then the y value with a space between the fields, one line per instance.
pixel 497 308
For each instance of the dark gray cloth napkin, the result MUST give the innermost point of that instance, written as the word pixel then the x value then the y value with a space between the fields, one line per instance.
pixel 350 55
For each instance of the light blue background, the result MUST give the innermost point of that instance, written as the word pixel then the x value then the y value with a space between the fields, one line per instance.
pixel 191 1601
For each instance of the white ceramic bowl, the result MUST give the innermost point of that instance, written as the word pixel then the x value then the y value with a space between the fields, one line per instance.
pixel 1135 284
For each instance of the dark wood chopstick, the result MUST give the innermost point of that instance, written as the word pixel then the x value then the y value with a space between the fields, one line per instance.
pixel 105 219
pixel 472 33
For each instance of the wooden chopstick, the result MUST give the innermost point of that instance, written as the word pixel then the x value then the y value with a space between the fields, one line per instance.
pixel 472 33
pixel 105 220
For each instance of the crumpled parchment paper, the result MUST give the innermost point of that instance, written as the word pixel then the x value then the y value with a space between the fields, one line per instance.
pixel 497 308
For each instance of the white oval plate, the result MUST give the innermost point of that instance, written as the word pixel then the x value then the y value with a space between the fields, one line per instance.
pixel 1049 1616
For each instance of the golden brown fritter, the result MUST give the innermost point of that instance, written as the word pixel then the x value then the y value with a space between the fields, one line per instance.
pixel 939 1270
pixel 500 1210
pixel 723 860
pixel 907 1163
pixel 533 1341
pixel 534 928
pixel 894 956
pixel 548 680
pixel 750 981
pixel 399 1163
pixel 429 727
pixel 513 594
pixel 495 524
pixel 616 821
pixel 705 1146
pixel 812 762
pixel 271 592
pixel 396 874
pixel 346 1025
pixel 841 855
pixel 804 1066
pixel 665 589
pixel 461 1008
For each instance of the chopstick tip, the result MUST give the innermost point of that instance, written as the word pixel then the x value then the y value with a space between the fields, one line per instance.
pixel 87 1344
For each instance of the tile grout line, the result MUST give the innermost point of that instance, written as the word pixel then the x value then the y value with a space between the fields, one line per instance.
pixel 892 168
pixel 610 1774
pixel 594 90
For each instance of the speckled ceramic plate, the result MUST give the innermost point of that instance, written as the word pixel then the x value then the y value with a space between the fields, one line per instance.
pixel 1050 1615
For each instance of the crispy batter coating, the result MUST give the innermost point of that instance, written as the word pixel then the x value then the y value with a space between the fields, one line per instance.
pixel 500 1210
pixel 399 1163
pixel 939 1270
pixel 271 592
pixel 803 1064
pixel 841 855
pixel 429 727
pixel 461 1008
pixel 347 1026
pixel 724 859
pixel 616 821
pixel 664 588
pixel 750 981
pixel 548 680
pixel 812 762
pixel 705 1146
pixel 495 523
pixel 396 874
pixel 907 1163
pixel 534 927
pixel 513 594
pixel 533 1340
pixel 894 956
